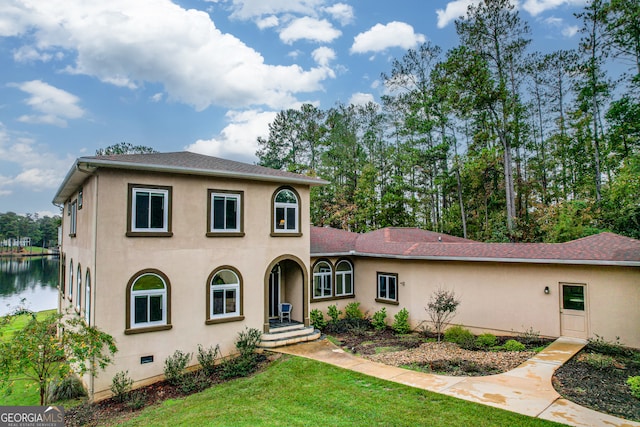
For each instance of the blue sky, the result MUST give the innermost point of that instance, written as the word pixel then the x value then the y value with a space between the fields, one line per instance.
pixel 200 75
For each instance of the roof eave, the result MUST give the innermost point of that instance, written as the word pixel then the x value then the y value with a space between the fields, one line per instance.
pixel 483 259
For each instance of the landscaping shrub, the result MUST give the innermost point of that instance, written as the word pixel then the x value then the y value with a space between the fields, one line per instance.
pixel 137 399
pixel 461 336
pixel 441 308
pixel 208 358
pixel 486 341
pixel 240 366
pixel 333 313
pixel 248 341
pixel 175 365
pixel 401 322
pixel 513 345
pixel 379 319
pixel 121 385
pixel 352 311
pixel 317 319
pixel 634 385
pixel 529 337
pixel 69 387
pixel 611 348
pixel 599 361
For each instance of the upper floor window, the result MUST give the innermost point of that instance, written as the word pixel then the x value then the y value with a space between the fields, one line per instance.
pixel 70 279
pixel 344 278
pixel 387 288
pixel 322 280
pixel 87 298
pixel 73 220
pixel 286 212
pixel 149 211
pixel 148 302
pixel 224 298
pixel 225 213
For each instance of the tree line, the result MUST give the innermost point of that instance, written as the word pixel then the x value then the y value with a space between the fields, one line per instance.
pixel 488 140
pixel 43 231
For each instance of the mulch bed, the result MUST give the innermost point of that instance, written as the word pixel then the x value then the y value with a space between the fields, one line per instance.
pixel 588 381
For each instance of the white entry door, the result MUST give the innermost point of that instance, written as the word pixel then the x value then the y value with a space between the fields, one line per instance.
pixel 573 310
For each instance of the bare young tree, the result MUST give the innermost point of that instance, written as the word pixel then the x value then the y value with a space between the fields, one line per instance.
pixel 442 308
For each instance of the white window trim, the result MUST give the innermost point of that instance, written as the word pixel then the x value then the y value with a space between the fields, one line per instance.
pixel 285 206
pixel 71 273
pixel 73 221
pixel 148 293
pixel 225 287
pixel 343 274
pixel 226 196
pixel 87 299
pixel 324 276
pixel 387 277
pixel 165 202
pixel 79 290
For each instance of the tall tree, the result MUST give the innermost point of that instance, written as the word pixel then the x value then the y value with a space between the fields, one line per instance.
pixel 124 148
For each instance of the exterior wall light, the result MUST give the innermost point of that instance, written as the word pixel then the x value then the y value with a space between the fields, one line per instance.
pixel 546 290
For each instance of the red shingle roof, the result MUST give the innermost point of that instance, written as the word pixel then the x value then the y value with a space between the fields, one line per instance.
pixel 411 243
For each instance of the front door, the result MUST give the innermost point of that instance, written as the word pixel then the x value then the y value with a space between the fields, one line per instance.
pixel 274 292
pixel 573 310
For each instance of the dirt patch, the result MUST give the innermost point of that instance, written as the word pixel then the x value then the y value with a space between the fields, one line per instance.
pixel 598 381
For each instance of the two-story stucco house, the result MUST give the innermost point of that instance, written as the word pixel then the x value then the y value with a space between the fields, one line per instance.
pixel 166 251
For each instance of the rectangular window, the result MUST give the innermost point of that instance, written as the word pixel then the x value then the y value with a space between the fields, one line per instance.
pixel 224 301
pixel 573 297
pixel 387 287
pixel 149 210
pixel 225 212
pixel 73 224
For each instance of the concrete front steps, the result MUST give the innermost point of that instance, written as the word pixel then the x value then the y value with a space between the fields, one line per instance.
pixel 286 335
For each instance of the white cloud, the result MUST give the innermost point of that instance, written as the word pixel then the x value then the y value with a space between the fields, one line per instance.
pixel 268 22
pixel 536 7
pixel 381 37
pixel 238 140
pixel 54 105
pixel 341 12
pixel 309 29
pixel 323 56
pixel 360 98
pixel 249 9
pixel 39 179
pixel 129 43
pixel 554 21
pixel 454 10
pixel 30 54
pixel 157 97
pixel 570 31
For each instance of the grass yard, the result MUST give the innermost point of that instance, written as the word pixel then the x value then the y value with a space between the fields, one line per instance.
pixel 300 392
pixel 19 322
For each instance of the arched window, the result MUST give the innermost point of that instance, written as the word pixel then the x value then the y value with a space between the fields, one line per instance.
pixel 148 301
pixel 322 280
pixel 224 299
pixel 78 289
pixel 71 280
pixel 87 298
pixel 286 211
pixel 63 273
pixel 344 278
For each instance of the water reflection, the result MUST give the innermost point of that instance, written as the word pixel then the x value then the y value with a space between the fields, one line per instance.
pixel 32 279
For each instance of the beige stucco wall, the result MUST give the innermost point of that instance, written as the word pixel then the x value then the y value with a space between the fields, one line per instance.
pixel 506 297
pixel 187 259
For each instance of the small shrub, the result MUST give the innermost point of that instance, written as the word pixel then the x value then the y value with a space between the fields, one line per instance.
pixel 611 348
pixel 379 319
pixel 333 313
pixel 193 382
pixel 317 319
pixel 208 358
pixel 175 365
pixel 486 341
pixel 240 366
pixel 121 386
pixel 513 345
pixel 69 387
pixel 248 341
pixel 461 336
pixel 634 385
pixel 529 336
pixel 137 399
pixel 441 308
pixel 401 322
pixel 352 311
pixel 599 361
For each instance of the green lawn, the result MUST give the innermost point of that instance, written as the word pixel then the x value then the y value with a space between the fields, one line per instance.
pixel 301 392
pixel 19 322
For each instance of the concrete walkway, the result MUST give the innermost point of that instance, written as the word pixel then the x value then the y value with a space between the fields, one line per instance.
pixel 526 389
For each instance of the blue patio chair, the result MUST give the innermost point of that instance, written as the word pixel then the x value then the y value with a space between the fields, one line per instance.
pixel 285 311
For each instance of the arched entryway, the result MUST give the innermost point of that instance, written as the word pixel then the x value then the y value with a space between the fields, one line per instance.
pixel 286 280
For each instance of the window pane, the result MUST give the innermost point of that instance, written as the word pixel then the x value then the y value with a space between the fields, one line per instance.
pixel 348 284
pixel 231 217
pixel 327 285
pixel 218 302
pixel 286 196
pixel 225 277
pixel 218 213
pixel 339 287
pixel 280 218
pixel 142 210
pixel 140 309
pixel 231 301
pixel 573 297
pixel 147 282
pixel 157 211
pixel 392 288
pixel 317 288
pixel 382 287
pixel 156 308
pixel 343 266
pixel 291 219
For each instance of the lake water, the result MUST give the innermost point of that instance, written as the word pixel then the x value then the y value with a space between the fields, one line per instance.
pixel 33 279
